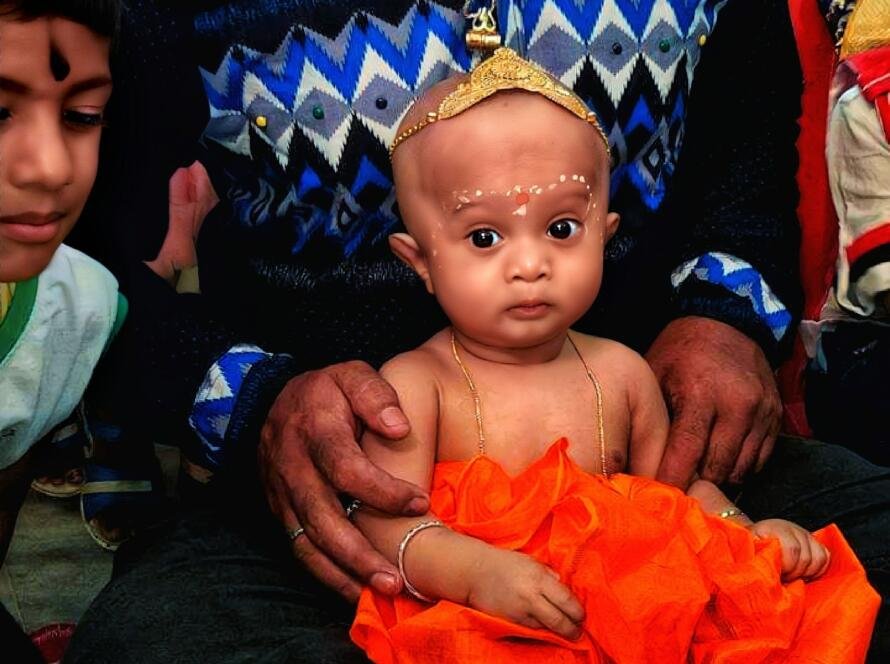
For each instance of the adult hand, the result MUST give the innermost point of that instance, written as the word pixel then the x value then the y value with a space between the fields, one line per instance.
pixel 308 454
pixel 191 198
pixel 724 402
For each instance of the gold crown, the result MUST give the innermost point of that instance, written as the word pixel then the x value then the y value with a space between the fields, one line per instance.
pixel 868 27
pixel 504 70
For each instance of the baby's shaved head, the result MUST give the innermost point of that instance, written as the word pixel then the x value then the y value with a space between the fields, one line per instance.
pixel 482 147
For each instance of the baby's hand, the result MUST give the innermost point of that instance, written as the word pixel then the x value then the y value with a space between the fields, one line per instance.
pixel 802 555
pixel 516 587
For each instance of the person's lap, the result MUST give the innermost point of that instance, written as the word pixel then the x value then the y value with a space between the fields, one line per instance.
pixel 207 589
pixel 204 588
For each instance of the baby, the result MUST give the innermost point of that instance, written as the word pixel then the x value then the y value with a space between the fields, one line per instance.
pixel 537 550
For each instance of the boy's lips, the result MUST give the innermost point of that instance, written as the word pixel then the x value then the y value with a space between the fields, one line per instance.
pixel 31 227
pixel 530 309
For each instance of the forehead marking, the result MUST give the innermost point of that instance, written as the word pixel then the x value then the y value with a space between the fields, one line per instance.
pixel 58 64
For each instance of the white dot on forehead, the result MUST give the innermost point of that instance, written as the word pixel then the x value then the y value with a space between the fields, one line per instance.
pixel 478 192
pixel 574 178
pixel 581 178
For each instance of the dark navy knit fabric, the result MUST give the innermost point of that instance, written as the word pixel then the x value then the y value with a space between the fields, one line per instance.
pixel 699 99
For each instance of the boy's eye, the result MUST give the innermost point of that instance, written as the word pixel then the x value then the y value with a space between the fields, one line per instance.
pixel 80 119
pixel 484 238
pixel 4 114
pixel 563 228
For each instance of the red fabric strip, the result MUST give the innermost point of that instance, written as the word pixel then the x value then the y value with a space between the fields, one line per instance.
pixel 868 241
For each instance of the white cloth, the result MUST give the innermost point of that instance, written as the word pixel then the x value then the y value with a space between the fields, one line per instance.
pixel 44 375
pixel 859 176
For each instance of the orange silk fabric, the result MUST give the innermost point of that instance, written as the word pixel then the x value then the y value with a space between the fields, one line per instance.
pixel 660 580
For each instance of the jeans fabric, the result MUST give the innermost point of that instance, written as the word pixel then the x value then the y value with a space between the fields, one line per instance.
pixel 207 588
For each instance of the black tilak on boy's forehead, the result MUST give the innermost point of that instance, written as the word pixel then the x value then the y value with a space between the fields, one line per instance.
pixel 58 64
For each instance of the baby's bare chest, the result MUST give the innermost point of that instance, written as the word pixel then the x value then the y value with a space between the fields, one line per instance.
pixel 521 417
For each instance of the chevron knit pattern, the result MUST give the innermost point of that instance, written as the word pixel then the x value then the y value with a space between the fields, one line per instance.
pixel 316 102
pixel 216 400
pixel 742 279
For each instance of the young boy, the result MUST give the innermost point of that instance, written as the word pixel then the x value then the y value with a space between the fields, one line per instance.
pixel 58 308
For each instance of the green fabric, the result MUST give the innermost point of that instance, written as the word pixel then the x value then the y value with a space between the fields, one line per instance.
pixel 17 317
pixel 123 308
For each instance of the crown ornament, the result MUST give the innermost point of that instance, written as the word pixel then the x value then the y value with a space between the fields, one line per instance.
pixel 504 70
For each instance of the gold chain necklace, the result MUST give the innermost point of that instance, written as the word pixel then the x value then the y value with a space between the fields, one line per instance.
pixel 477 402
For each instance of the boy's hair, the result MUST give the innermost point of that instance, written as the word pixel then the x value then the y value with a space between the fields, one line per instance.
pixel 100 16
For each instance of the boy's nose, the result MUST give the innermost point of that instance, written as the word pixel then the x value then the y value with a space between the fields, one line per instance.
pixel 40 157
pixel 529 263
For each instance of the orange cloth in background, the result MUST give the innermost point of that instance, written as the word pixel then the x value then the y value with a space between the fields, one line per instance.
pixel 660 580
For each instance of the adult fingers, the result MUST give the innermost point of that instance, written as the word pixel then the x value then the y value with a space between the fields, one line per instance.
pixel 347 468
pixel 806 554
pixel 324 569
pixel 687 441
pixel 372 399
pixel 769 444
pixel 748 455
pixel 328 529
pixel 731 427
pixel 552 618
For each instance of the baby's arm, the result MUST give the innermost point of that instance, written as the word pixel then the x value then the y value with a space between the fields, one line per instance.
pixel 802 555
pixel 438 562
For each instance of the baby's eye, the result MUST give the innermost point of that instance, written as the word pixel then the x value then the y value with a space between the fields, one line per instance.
pixel 484 238
pixel 4 114
pixel 83 120
pixel 563 228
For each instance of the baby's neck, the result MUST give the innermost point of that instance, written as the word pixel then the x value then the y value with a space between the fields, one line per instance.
pixel 545 351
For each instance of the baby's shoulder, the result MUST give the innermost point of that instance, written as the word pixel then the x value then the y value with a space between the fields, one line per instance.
pixel 419 366
pixel 612 360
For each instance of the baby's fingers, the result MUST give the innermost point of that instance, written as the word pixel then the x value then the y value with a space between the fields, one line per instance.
pixel 799 548
pixel 562 599
pixel 820 559
pixel 552 618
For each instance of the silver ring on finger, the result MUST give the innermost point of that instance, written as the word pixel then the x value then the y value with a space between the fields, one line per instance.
pixel 294 533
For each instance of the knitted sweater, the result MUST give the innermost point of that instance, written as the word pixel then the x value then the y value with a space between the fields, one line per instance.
pixel 699 99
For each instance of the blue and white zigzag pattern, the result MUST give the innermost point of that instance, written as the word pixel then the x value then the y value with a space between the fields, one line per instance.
pixel 371 60
pixel 741 278
pixel 216 400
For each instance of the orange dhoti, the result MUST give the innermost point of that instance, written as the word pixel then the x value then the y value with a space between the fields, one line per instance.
pixel 660 580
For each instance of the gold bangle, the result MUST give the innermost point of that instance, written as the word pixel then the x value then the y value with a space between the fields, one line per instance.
pixel 423 525
pixel 731 512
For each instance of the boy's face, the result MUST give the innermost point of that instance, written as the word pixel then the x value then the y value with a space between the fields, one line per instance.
pixel 54 84
pixel 510 227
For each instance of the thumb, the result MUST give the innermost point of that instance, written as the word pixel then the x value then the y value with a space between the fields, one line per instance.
pixel 182 200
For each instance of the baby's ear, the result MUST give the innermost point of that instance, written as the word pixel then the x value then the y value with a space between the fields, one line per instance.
pixel 612 221
pixel 406 248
